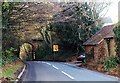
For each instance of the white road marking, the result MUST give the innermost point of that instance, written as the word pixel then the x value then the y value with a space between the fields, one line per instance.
pixel 67 75
pixel 48 63
pixel 20 74
pixel 55 67
pixel 65 63
pixel 43 62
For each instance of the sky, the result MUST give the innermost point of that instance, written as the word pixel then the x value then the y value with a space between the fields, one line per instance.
pixel 113 11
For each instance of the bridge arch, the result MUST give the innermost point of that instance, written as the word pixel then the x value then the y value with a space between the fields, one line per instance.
pixel 28 48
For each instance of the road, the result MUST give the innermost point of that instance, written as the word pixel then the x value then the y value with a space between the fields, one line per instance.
pixel 58 71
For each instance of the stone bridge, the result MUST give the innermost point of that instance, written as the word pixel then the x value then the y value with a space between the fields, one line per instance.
pixel 27 49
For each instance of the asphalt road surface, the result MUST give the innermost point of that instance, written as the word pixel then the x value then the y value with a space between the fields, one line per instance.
pixel 58 71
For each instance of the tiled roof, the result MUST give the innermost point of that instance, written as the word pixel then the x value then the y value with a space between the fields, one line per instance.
pixel 105 32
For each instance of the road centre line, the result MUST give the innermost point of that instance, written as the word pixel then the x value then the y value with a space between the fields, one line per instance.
pixel 55 67
pixel 43 62
pixel 67 75
pixel 61 71
pixel 48 63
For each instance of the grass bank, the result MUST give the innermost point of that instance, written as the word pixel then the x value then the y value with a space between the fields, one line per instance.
pixel 11 71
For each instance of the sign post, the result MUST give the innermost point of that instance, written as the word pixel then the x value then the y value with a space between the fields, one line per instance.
pixel 55 49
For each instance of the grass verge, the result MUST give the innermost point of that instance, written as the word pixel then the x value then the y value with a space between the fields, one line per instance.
pixel 11 71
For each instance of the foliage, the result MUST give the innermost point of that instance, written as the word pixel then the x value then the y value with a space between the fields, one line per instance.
pixel 16 16
pixel 10 36
pixel 67 32
pixel 110 63
pixel 9 39
pixel 0 58
pixel 77 25
pixel 82 15
pixel 8 56
pixel 43 52
pixel 108 45
pixel 117 39
pixel 87 22
pixel 45 35
pixel 7 10
pixel 10 70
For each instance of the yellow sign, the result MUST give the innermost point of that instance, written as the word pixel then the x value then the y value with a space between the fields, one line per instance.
pixel 55 48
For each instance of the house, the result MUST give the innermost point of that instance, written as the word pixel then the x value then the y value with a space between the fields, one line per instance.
pixel 101 45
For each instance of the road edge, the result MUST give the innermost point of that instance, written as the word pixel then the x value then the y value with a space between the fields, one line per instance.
pixel 19 76
pixel 69 64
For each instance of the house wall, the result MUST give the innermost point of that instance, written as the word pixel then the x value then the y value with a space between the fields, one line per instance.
pixel 88 49
pixel 112 47
pixel 101 50
pixel 96 53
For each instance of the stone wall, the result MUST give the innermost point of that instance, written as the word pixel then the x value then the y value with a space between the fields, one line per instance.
pixel 112 47
pixel 96 54
pixel 88 49
pixel 101 51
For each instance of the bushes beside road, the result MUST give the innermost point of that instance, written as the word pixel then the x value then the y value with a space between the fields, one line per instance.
pixel 8 56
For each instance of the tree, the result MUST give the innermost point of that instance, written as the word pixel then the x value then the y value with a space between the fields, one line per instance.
pixel 20 19
pixel 76 23
pixel 9 32
pixel 117 39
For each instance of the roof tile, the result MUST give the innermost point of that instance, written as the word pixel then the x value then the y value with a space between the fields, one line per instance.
pixel 105 32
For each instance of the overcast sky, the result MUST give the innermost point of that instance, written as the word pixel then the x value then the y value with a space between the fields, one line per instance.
pixel 113 11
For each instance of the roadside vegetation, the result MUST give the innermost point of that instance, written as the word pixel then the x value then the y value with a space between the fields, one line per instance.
pixel 10 63
pixel 11 71
pixel 117 38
